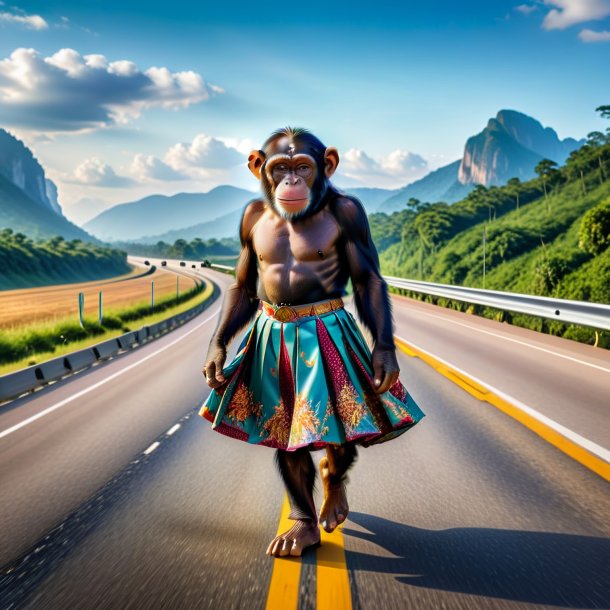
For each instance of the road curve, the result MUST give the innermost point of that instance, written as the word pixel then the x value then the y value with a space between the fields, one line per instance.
pixel 469 509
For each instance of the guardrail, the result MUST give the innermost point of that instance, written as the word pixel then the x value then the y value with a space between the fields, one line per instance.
pixel 596 315
pixel 36 376
pixel 223 268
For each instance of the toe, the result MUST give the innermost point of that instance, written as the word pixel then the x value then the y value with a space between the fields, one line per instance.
pixel 275 551
pixel 269 550
pixel 296 549
pixel 285 548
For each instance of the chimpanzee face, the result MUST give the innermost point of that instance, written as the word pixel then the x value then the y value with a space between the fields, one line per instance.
pixel 294 173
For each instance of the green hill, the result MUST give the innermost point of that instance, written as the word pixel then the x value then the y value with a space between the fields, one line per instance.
pixel 25 263
pixel 536 243
pixel 22 214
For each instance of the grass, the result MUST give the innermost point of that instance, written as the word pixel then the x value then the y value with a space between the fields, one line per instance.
pixel 98 333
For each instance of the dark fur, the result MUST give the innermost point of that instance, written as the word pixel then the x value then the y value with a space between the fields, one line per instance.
pixel 299 475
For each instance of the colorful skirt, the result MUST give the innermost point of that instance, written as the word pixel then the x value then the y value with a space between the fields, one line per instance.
pixel 306 383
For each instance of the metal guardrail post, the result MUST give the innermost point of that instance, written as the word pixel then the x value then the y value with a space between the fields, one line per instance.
pixel 81 306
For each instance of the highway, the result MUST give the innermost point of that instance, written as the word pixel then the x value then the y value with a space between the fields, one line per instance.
pixel 120 496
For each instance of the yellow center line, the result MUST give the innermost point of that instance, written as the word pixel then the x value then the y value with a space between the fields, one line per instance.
pixel 332 586
pixel 574 450
pixel 284 586
pixel 332 579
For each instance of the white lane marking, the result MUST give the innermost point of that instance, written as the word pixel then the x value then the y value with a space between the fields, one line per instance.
pixel 173 429
pixel 152 448
pixel 65 401
pixel 542 349
pixel 585 443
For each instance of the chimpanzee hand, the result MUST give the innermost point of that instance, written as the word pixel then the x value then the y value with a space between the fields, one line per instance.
pixel 385 369
pixel 214 362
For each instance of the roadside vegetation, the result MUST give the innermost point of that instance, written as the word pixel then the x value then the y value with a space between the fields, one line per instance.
pixel 214 250
pixel 26 263
pixel 549 236
pixel 31 345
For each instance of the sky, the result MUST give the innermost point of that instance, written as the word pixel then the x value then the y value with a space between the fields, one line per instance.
pixel 119 100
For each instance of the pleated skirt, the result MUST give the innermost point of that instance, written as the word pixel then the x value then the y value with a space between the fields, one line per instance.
pixel 307 383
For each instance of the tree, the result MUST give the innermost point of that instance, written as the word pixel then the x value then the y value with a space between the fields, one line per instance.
pixel 594 232
pixel 415 204
pixel 548 173
pixel 514 184
pixel 596 139
pixel 604 111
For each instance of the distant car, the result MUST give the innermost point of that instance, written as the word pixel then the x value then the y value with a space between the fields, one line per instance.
pixel 147 262
pixel 206 263
pixel 163 263
pixel 182 264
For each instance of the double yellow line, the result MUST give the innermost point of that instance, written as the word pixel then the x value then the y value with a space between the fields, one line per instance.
pixel 332 581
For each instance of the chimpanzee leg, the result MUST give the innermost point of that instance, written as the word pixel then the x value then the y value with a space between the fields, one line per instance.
pixel 298 473
pixel 333 469
pixel 340 459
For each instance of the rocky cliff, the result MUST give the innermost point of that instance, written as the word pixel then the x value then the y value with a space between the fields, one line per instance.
pixel 19 166
pixel 510 146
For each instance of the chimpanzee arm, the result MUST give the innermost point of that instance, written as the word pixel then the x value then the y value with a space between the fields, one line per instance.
pixel 370 289
pixel 240 302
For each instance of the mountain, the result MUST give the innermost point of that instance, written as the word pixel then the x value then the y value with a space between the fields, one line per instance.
pixel 157 214
pixel 223 226
pixel 19 166
pixel 370 198
pixel 23 214
pixel 227 225
pixel 511 145
pixel 439 185
pixel 85 209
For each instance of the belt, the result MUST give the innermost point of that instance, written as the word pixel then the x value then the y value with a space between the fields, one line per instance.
pixel 288 313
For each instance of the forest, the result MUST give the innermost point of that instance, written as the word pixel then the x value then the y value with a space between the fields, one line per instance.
pixel 26 262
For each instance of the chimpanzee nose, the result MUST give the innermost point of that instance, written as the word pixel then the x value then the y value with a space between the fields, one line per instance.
pixel 292 180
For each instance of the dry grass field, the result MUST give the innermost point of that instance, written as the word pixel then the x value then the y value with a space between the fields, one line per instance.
pixel 27 306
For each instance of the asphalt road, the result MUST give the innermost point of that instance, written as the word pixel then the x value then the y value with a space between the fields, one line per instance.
pixel 469 509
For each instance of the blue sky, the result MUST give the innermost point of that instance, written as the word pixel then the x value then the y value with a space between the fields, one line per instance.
pixel 150 97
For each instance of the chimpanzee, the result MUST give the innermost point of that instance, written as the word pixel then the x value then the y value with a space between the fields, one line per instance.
pixel 304 378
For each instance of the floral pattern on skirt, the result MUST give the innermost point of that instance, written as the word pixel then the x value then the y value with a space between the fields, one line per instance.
pixel 307 383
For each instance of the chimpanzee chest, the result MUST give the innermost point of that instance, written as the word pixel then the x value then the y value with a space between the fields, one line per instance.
pixel 310 241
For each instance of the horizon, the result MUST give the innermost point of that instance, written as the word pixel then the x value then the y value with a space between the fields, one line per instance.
pixel 122 103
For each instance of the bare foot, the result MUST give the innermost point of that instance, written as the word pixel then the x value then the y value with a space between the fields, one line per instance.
pixel 293 542
pixel 334 508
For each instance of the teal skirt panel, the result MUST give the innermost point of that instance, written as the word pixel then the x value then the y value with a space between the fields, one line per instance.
pixel 307 383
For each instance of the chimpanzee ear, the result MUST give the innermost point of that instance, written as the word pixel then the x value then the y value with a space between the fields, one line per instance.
pixel 255 161
pixel 331 160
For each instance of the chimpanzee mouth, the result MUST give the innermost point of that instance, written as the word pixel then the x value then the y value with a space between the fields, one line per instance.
pixel 292 201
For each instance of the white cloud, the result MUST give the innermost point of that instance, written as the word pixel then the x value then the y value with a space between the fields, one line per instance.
pixel 204 153
pixel 68 91
pixel 592 36
pixel 94 172
pixel 390 171
pixel 149 167
pixel 32 22
pixel 570 12
pixel 526 9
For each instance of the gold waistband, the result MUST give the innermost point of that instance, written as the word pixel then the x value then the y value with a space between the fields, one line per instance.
pixel 289 313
